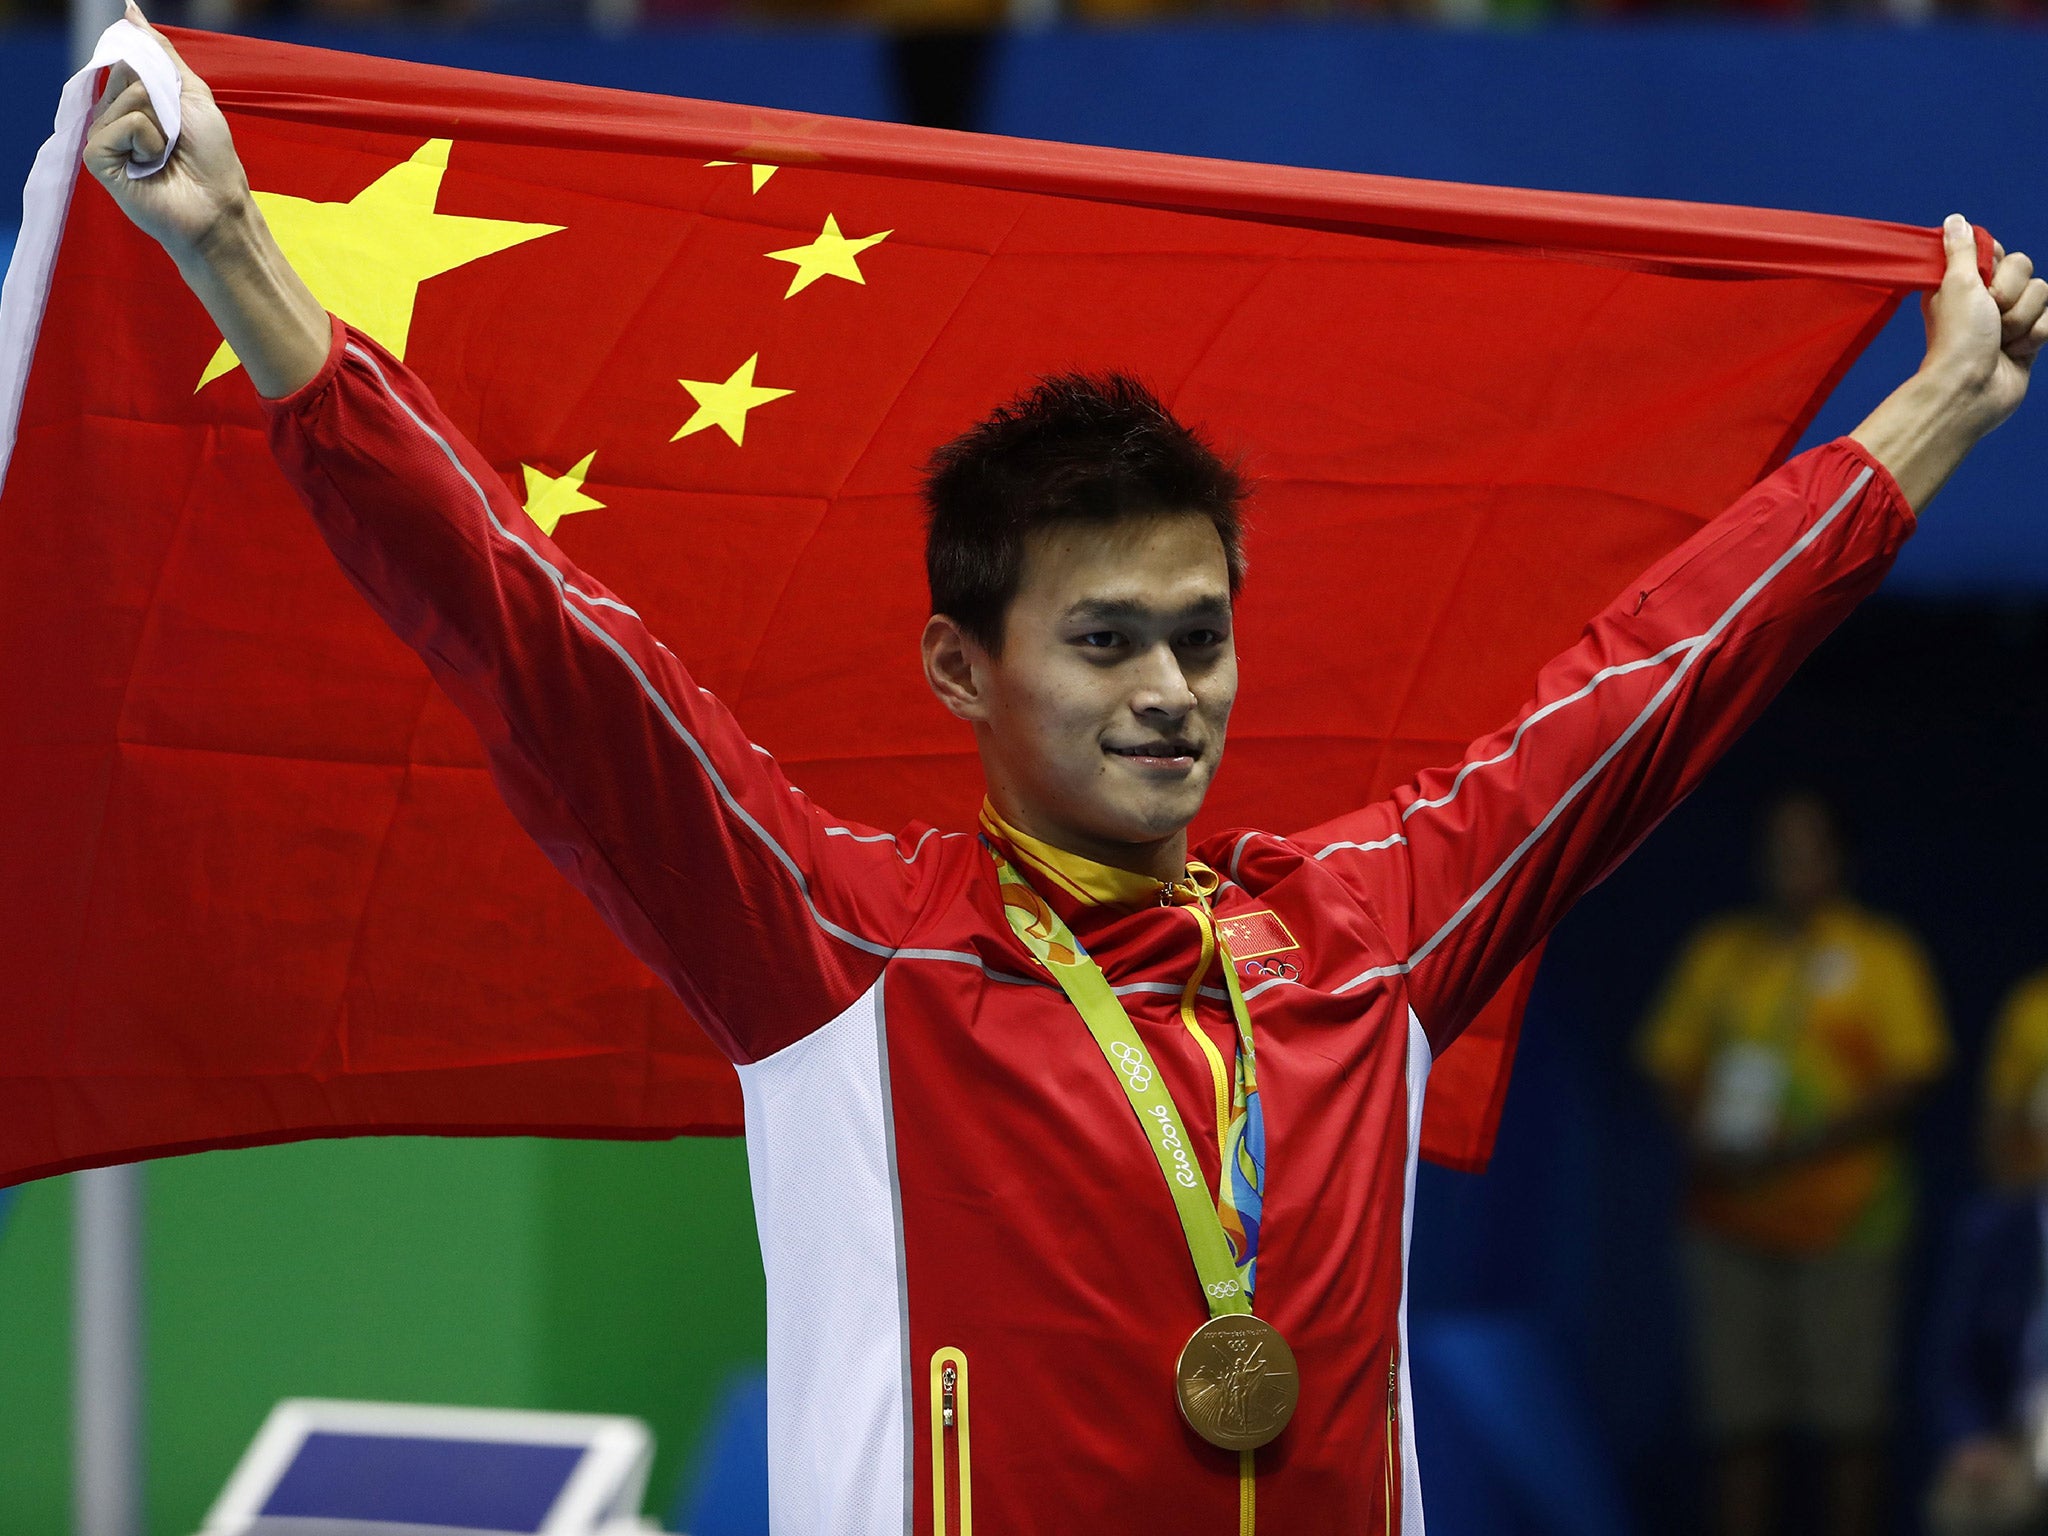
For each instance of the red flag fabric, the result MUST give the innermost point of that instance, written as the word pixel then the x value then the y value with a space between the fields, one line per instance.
pixel 258 886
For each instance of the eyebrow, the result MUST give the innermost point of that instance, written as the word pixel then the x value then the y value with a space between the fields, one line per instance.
pixel 1130 610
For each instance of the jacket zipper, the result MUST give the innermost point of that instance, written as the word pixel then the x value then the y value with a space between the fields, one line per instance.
pixel 952 1463
pixel 1394 1483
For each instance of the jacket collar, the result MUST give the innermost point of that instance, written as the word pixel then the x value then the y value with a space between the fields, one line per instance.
pixel 1084 882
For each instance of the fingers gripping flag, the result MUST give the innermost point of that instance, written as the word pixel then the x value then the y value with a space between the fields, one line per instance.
pixel 258 885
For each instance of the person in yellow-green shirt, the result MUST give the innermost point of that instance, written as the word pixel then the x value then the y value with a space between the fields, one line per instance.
pixel 1989 1362
pixel 1789 1042
pixel 2016 1088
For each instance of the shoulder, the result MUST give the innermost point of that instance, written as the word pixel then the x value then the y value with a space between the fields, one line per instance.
pixel 1866 922
pixel 1346 864
pixel 1248 857
pixel 1725 935
pixel 2019 1040
pixel 1878 935
pixel 1302 878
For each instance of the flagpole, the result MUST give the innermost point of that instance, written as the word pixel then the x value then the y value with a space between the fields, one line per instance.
pixel 106 1243
pixel 89 18
pixel 106 1352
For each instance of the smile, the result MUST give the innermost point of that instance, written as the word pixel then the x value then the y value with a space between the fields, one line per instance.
pixel 1163 755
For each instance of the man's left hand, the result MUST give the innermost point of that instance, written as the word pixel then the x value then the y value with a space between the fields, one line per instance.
pixel 1982 340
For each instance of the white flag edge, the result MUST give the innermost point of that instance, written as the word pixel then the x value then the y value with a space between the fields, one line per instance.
pixel 46 200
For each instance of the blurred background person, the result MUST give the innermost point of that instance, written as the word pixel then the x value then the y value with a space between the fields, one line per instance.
pixel 2016 1091
pixel 1989 1362
pixel 1790 1041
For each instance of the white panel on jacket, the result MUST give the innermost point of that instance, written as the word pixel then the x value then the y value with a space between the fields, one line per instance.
pixel 825 1200
pixel 1420 1056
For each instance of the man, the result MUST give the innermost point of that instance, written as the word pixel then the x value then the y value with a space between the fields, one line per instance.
pixel 1790 1042
pixel 1013 1209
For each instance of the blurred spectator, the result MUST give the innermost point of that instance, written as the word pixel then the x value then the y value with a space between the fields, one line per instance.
pixel 941 75
pixel 2016 1089
pixel 1790 1042
pixel 1989 1369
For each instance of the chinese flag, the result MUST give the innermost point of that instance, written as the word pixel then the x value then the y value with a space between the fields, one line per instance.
pixel 257 884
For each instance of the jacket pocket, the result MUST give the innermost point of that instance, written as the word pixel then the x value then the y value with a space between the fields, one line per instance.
pixel 952 1461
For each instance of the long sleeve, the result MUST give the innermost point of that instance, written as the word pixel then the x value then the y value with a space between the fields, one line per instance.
pixel 1466 869
pixel 765 916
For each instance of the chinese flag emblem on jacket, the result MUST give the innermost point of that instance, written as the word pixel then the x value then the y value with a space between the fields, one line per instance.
pixel 257 883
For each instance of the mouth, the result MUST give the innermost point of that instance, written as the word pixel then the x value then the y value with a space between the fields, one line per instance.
pixel 1170 756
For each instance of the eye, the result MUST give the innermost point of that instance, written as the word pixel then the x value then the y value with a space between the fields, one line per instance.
pixel 1203 639
pixel 1099 640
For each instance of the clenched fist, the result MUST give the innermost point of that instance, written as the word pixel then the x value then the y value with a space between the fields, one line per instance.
pixel 198 208
pixel 183 205
pixel 1981 344
pixel 1985 338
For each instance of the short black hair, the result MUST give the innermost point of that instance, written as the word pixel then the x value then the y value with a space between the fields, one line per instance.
pixel 1075 447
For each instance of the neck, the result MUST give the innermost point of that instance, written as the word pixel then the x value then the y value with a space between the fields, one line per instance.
pixel 1795 915
pixel 1165 860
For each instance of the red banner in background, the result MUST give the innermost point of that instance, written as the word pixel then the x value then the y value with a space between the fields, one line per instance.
pixel 258 886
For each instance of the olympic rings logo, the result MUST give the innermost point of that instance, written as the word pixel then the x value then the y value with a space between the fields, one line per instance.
pixel 1222 1288
pixel 1131 1062
pixel 1278 970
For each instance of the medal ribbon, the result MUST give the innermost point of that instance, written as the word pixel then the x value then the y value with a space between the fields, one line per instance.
pixel 1225 1256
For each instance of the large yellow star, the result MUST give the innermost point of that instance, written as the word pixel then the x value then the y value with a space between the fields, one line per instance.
pixel 761 172
pixel 725 406
pixel 550 498
pixel 830 255
pixel 366 258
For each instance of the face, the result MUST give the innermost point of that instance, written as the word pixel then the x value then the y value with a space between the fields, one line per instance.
pixel 1802 864
pixel 1101 722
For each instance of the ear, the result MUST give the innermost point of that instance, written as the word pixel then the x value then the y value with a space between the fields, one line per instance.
pixel 956 667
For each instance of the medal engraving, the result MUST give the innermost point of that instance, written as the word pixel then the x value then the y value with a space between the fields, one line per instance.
pixel 1237 1382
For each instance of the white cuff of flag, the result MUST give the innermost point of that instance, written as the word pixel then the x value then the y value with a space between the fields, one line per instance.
pixel 46 196
pixel 126 43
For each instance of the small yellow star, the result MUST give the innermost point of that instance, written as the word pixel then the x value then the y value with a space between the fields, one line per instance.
pixel 761 172
pixel 725 406
pixel 366 258
pixel 550 498
pixel 830 255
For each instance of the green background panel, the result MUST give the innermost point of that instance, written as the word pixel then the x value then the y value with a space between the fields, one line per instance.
pixel 590 1276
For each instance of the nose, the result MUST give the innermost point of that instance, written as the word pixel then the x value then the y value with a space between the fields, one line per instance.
pixel 1162 692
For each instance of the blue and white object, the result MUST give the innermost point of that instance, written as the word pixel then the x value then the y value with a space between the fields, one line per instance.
pixel 325 1468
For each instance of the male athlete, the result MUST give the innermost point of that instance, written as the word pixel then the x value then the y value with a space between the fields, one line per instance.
pixel 1083 1161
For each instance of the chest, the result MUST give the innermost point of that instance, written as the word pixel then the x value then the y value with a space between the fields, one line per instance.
pixel 1798 999
pixel 999 1082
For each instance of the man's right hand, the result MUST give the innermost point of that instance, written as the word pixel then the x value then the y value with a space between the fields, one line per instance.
pixel 199 209
pixel 202 188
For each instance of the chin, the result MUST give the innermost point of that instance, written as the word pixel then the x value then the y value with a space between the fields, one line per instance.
pixel 1160 817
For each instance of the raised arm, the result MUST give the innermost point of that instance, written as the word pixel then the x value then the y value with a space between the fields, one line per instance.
pixel 1469 867
pixel 198 208
pixel 764 915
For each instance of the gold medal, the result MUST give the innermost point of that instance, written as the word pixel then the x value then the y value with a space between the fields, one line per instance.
pixel 1237 1381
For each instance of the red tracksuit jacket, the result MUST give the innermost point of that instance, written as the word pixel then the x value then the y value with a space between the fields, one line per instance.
pixel 943 1169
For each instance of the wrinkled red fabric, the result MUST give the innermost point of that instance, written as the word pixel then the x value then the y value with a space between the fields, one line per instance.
pixel 258 886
